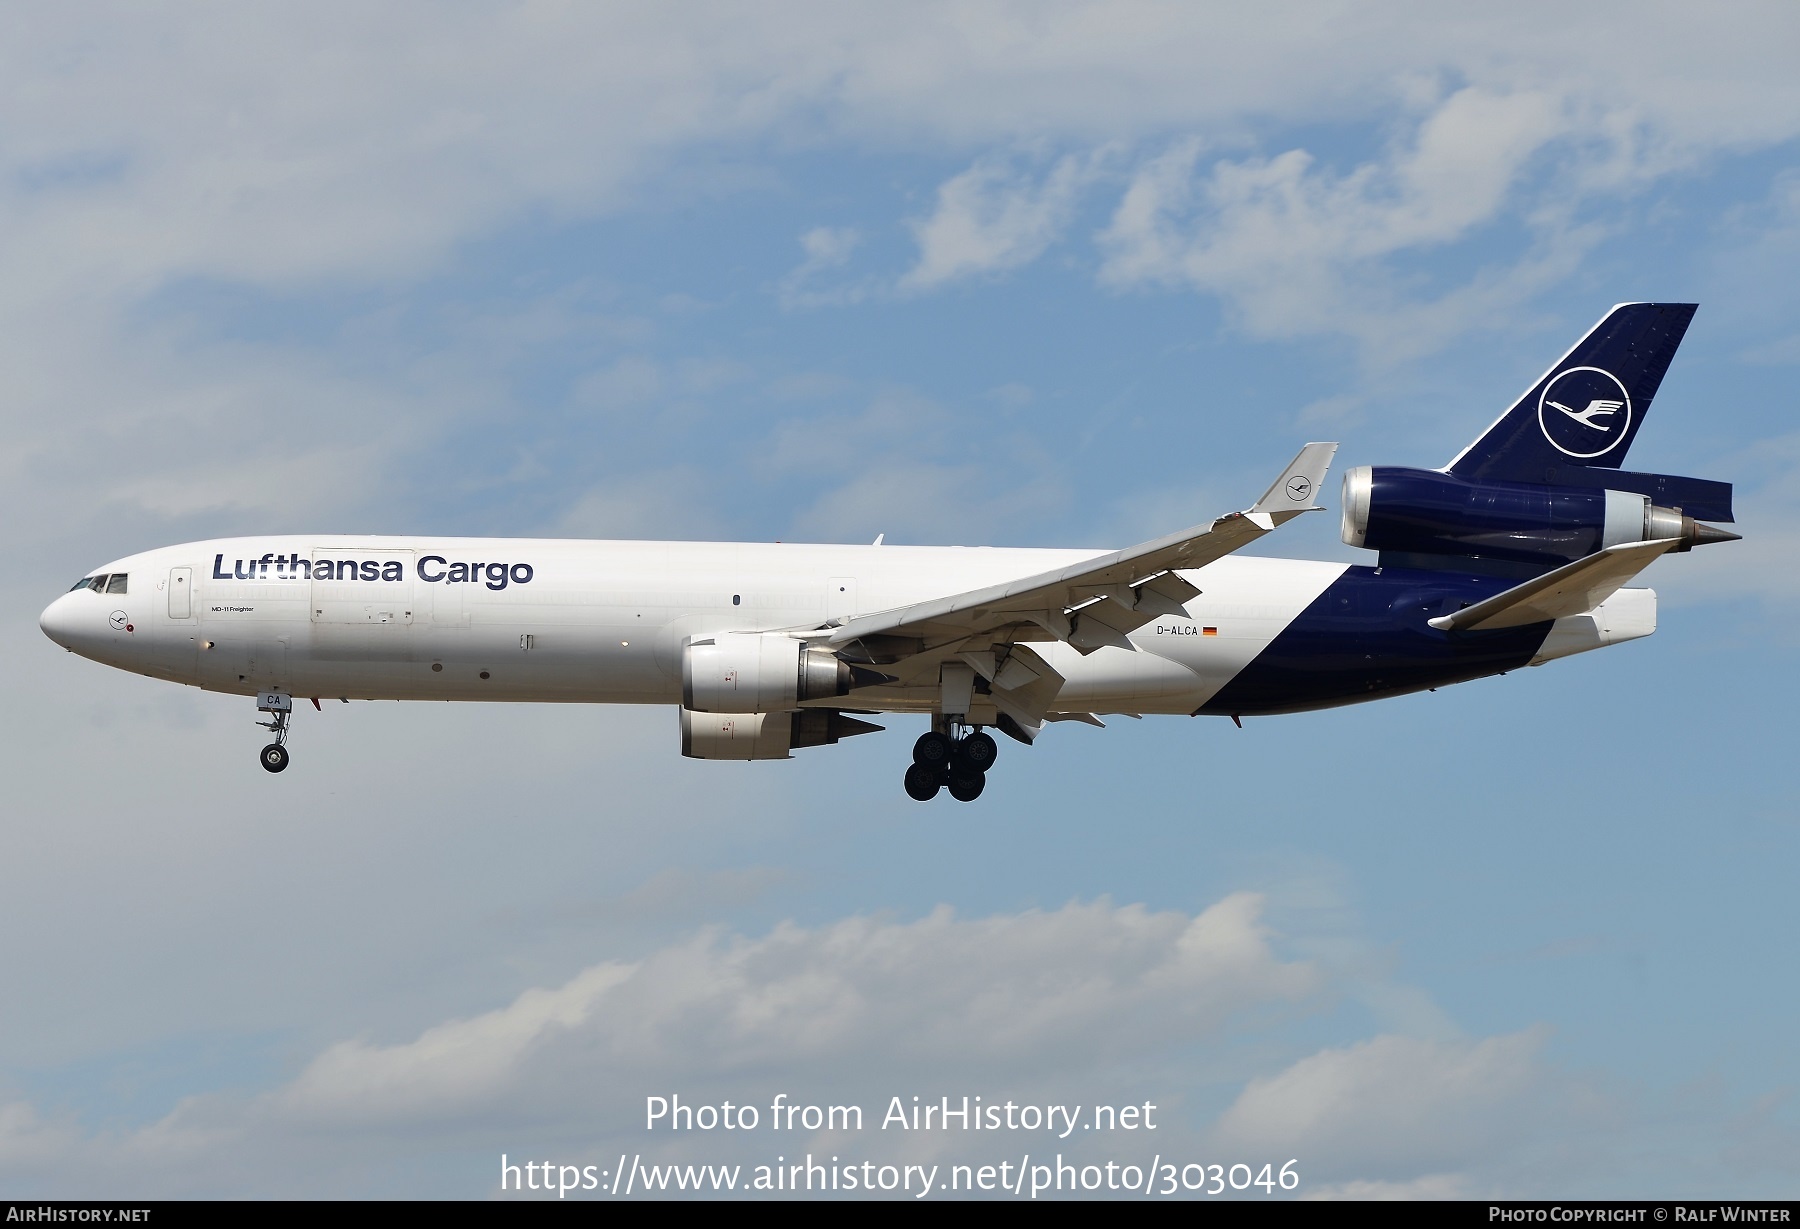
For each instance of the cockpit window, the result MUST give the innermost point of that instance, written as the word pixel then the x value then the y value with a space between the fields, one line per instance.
pixel 116 582
pixel 96 583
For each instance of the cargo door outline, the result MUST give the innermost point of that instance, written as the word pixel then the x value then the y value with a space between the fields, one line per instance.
pixel 362 602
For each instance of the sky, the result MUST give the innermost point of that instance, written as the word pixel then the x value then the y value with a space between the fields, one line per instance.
pixel 1048 274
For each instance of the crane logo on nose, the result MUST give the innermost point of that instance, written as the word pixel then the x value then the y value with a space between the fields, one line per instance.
pixel 121 622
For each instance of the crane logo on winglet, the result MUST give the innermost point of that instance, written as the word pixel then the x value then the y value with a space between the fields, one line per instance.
pixel 1590 432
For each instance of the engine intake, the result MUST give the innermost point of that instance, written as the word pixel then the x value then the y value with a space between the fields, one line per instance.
pixel 1423 512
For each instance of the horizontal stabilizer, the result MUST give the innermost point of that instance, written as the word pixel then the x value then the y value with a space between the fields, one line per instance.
pixel 1701 498
pixel 1572 589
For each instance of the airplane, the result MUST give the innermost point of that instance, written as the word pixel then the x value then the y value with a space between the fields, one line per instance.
pixel 1515 553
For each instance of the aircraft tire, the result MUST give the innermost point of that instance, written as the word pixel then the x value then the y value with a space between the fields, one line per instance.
pixel 977 752
pixel 933 750
pixel 274 757
pixel 966 785
pixel 922 783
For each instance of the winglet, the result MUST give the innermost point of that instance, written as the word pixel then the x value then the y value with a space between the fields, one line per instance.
pixel 1293 492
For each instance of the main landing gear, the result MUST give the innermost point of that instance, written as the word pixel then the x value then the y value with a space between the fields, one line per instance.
pixel 961 763
pixel 280 706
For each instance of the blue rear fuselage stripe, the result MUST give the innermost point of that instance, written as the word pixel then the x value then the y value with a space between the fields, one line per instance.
pixel 1367 636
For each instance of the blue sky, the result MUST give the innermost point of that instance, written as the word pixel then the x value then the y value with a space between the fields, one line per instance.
pixel 1043 275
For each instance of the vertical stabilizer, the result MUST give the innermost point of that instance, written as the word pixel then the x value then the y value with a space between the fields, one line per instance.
pixel 1584 411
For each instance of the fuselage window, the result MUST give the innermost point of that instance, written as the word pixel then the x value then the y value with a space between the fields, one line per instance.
pixel 116 582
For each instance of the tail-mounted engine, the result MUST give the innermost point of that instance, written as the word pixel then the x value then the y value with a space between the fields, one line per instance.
pixel 1412 512
pixel 763 672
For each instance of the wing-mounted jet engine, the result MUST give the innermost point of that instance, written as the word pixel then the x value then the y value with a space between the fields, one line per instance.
pixel 741 694
pixel 765 736
pixel 762 672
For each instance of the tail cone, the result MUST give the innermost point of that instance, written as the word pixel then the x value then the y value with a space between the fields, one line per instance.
pixel 1704 534
pixel 1674 523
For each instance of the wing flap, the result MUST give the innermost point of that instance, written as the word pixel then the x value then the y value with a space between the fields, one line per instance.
pixel 1020 683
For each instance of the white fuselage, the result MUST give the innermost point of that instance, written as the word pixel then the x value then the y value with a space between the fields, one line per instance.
pixel 605 622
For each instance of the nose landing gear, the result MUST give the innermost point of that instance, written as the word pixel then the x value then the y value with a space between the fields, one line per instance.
pixel 941 759
pixel 280 706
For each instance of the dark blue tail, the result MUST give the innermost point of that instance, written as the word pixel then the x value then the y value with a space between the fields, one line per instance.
pixel 1587 408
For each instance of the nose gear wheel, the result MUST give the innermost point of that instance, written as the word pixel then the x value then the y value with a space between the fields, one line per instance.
pixel 280 706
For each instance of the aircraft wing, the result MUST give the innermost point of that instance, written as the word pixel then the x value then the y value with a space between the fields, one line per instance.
pixel 1575 588
pixel 1089 605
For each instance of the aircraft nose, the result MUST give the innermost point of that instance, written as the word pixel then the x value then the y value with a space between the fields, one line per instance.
pixel 59 621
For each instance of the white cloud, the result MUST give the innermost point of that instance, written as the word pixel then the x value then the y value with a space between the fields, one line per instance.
pixel 922 502
pixel 1064 1002
pixel 828 249
pixel 674 503
pixel 1083 1004
pixel 910 468
pixel 303 149
pixel 1297 249
pixel 996 216
pixel 1007 996
pixel 1395 1107
pixel 283 144
pixel 27 1141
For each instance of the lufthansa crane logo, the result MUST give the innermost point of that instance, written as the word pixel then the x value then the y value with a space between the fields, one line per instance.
pixel 1299 487
pixel 1584 412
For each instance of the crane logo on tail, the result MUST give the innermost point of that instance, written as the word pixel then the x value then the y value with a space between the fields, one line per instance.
pixel 1595 409
pixel 1599 426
